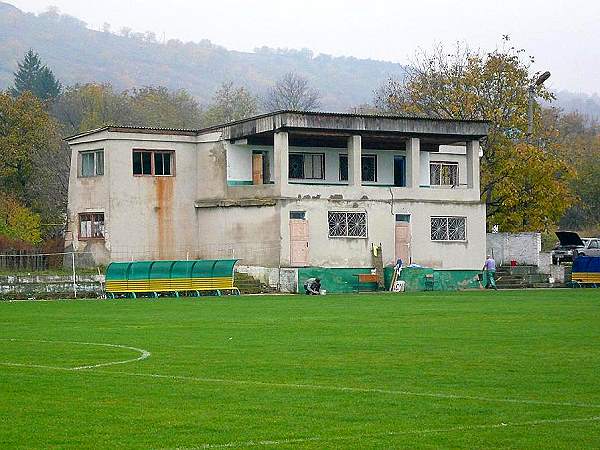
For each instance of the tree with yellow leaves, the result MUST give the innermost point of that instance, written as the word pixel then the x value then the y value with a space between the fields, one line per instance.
pixel 518 179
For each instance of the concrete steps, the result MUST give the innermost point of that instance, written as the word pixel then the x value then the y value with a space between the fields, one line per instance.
pixel 249 285
pixel 520 277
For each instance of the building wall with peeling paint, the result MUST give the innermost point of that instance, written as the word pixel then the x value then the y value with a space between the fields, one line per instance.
pixel 153 217
pixel 209 209
pixel 146 217
pixel 356 252
pixel 250 234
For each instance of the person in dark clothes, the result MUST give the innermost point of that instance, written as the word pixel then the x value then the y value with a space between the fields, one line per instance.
pixel 312 286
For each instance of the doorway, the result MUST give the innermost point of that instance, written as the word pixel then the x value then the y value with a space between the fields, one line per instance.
pixel 257 168
pixel 298 239
pixel 403 238
pixel 260 168
pixel 399 170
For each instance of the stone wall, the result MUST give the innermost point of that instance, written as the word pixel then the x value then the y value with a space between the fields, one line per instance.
pixel 32 286
pixel 524 248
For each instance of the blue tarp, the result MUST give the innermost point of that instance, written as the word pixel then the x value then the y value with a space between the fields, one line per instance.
pixel 586 264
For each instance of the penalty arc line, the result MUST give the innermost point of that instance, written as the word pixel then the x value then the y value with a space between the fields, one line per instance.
pixel 274 442
pixel 143 354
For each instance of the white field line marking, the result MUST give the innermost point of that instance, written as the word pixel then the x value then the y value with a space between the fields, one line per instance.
pixel 326 388
pixel 389 433
pixel 353 389
pixel 143 354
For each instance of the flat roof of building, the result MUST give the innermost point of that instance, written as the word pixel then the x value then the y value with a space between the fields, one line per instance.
pixel 315 120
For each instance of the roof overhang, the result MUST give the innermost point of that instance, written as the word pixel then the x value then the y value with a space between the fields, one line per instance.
pixel 129 129
pixel 349 124
pixel 323 123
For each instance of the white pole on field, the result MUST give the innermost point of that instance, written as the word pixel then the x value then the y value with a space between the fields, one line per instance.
pixel 74 278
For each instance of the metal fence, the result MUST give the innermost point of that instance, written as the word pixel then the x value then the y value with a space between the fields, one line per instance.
pixel 25 260
pixel 21 263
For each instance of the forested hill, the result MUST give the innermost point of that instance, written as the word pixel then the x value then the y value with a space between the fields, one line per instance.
pixel 127 59
pixel 77 54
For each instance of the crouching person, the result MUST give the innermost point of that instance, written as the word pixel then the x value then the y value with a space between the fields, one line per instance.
pixel 312 286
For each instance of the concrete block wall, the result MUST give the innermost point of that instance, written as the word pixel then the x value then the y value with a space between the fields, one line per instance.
pixel 524 248
pixel 49 285
pixel 545 264
pixel 285 278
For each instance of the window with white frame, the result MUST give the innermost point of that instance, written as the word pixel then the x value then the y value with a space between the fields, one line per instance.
pixel 307 166
pixel 91 163
pixel 443 174
pixel 347 224
pixel 448 228
pixel 91 226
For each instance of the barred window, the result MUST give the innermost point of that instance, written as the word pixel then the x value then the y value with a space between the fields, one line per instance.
pixel 343 167
pixel 448 228
pixel 443 174
pixel 368 167
pixel 347 224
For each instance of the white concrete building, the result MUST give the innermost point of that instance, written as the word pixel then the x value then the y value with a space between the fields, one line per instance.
pixel 286 189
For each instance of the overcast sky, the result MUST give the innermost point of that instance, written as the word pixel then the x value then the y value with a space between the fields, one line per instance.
pixel 564 36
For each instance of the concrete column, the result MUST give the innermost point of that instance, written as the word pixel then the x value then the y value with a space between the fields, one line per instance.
pixel 281 157
pixel 473 165
pixel 413 162
pixel 354 161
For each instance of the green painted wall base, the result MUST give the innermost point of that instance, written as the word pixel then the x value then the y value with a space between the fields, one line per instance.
pixel 343 280
pixel 334 280
pixel 443 280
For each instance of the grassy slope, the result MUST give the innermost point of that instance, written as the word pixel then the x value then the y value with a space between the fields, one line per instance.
pixel 540 345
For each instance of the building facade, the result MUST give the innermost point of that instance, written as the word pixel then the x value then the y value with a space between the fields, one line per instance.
pixel 286 189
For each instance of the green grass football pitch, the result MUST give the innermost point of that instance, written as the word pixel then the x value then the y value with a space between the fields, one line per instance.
pixel 517 369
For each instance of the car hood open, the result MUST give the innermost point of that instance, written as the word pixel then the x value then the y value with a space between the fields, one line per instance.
pixel 569 239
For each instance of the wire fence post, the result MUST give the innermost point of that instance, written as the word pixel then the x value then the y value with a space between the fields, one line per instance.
pixel 74 276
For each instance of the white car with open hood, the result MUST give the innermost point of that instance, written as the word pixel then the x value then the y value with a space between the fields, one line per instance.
pixel 571 246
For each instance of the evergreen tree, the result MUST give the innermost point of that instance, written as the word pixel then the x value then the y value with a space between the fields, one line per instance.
pixel 36 78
